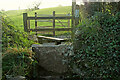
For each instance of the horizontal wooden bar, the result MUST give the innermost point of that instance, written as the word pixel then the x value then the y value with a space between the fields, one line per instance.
pixel 44 32
pixel 61 22
pixel 61 25
pixel 33 18
pixel 51 29
pixel 44 21
pixel 44 26
pixel 56 22
pixel 52 38
pixel 52 15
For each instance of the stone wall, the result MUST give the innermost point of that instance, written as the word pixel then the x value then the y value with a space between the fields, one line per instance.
pixel 51 57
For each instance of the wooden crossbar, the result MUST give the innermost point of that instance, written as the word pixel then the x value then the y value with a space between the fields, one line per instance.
pixel 51 29
pixel 44 26
pixel 56 40
pixel 33 18
pixel 45 20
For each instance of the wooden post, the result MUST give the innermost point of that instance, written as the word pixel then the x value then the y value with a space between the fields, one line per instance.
pixel 28 25
pixel 77 14
pixel 73 17
pixel 69 21
pixel 53 23
pixel 25 22
pixel 36 22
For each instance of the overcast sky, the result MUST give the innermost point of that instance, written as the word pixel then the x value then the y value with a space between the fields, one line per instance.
pixel 23 4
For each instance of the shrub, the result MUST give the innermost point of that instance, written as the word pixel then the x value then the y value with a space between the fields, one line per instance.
pixel 97 47
pixel 13 37
pixel 17 59
pixel 17 62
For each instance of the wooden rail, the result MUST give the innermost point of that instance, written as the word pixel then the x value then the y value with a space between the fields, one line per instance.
pixel 33 18
pixel 51 39
pixel 51 29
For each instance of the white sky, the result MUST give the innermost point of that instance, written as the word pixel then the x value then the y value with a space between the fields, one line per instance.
pixel 24 4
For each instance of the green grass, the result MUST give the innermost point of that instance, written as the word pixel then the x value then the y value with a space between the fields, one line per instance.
pixel 17 16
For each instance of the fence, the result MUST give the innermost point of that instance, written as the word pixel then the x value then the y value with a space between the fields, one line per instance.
pixel 54 17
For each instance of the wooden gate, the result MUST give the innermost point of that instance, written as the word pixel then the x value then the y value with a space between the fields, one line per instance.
pixel 53 18
pixel 74 21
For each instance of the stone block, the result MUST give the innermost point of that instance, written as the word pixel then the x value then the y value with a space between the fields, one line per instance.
pixel 51 57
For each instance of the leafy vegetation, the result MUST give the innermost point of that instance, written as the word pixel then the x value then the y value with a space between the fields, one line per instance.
pixel 17 62
pixel 13 37
pixel 17 59
pixel 97 46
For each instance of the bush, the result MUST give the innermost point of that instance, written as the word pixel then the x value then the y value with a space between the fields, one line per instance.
pixel 13 37
pixel 17 62
pixel 17 59
pixel 97 47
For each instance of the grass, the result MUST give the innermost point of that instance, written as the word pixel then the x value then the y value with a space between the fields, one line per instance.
pixel 17 16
